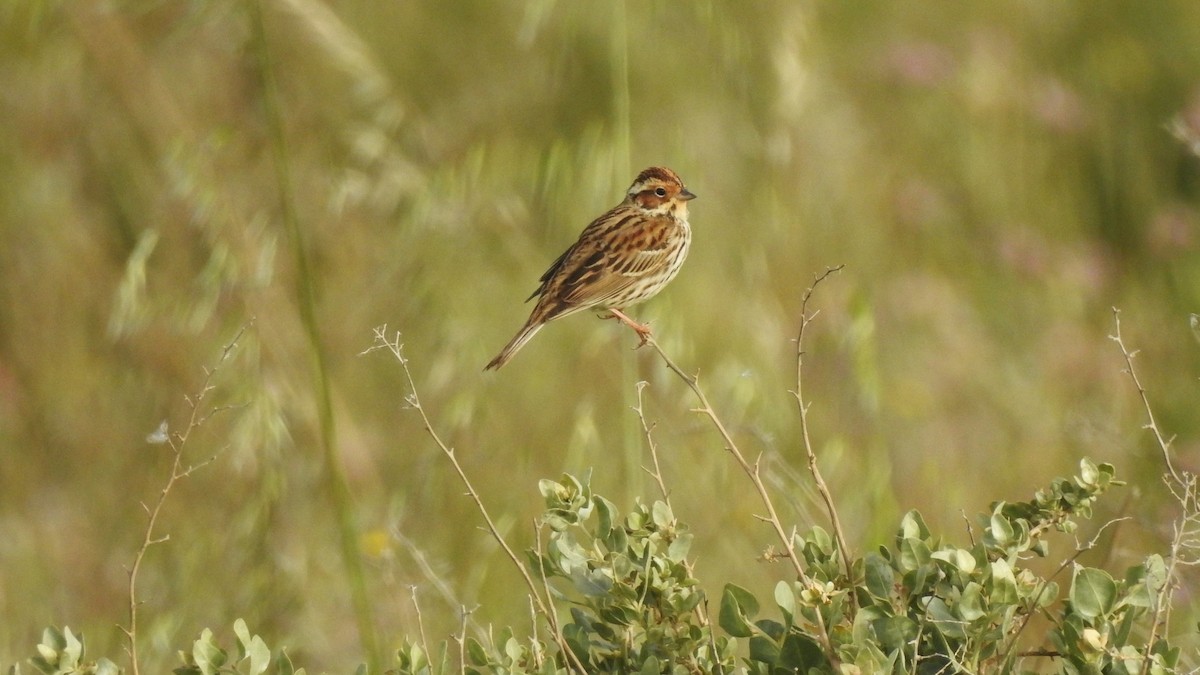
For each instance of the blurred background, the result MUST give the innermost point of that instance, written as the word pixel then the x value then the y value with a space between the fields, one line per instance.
pixel 996 177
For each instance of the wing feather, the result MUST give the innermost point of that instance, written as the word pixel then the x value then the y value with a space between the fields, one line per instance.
pixel 623 262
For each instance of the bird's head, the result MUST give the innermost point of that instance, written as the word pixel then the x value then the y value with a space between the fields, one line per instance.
pixel 660 191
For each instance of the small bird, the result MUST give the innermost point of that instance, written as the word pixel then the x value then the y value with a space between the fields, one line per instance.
pixel 624 257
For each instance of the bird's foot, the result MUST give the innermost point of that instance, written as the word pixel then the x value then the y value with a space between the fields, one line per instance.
pixel 642 329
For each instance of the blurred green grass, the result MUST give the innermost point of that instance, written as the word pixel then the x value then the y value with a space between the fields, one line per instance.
pixel 995 177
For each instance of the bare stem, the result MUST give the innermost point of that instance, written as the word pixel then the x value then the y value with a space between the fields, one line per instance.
pixel 822 488
pixel 647 430
pixel 752 472
pixel 461 639
pixel 1163 444
pixel 1182 486
pixel 420 622
pixel 393 345
pixel 177 442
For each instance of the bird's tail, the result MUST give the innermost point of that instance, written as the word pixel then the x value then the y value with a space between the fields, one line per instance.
pixel 516 343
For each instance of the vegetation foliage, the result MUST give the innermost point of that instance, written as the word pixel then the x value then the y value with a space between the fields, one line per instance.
pixel 996 177
pixel 628 584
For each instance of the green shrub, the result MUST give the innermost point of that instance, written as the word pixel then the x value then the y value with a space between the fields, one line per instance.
pixel 615 592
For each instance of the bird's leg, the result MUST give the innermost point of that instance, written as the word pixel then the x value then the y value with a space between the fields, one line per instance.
pixel 643 330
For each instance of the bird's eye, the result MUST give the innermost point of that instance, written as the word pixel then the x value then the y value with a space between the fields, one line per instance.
pixel 661 192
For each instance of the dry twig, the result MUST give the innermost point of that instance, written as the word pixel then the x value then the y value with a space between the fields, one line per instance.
pixel 393 345
pixel 826 496
pixel 752 472
pixel 176 441
pixel 1183 487
pixel 647 431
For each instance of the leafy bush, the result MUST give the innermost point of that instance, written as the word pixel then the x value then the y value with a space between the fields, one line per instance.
pixel 920 603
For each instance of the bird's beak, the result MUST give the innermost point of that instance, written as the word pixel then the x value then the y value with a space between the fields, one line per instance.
pixel 685 195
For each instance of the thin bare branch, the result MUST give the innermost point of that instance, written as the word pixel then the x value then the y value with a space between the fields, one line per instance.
pixel 751 471
pixel 420 621
pixel 176 443
pixel 822 488
pixel 1182 486
pixel 647 430
pixel 396 348
pixel 1163 444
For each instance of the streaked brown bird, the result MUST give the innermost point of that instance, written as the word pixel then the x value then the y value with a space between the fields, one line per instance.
pixel 624 257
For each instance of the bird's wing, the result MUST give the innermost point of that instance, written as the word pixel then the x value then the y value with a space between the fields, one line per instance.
pixel 615 263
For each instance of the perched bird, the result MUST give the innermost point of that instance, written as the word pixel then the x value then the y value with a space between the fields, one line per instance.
pixel 624 257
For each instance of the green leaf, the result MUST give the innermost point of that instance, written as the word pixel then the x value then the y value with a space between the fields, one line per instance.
pixel 72 650
pixel 1131 659
pixel 914 553
pixel 819 538
pixel 865 618
pixel 608 514
pixel 260 656
pixel 513 650
pixel 1000 528
pixel 970 603
pixel 918 581
pixel 577 639
pixel 594 583
pixel 799 653
pixel 1156 573
pixel 894 632
pixel 106 667
pixel 46 659
pixel 1125 627
pixel 1003 584
pixel 1088 473
pixel 243 636
pixel 552 492
pixel 1047 595
pixel 617 540
pixel 773 629
pixel 476 654
pixel 961 559
pixel 661 514
pixel 870 659
pixel 912 526
pixel 575 487
pixel 53 638
pixel 208 656
pixel 1093 592
pixel 764 650
pixel 785 599
pixel 1041 547
pixel 1138 592
pixel 939 613
pixel 879 577
pixel 678 550
pixel 738 606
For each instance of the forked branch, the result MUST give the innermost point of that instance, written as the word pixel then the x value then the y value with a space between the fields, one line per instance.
pixel 1163 444
pixel 1183 486
pixel 393 345
pixel 176 441
pixel 822 488
pixel 752 472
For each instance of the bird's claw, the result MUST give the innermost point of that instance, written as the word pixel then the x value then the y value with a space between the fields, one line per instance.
pixel 643 333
